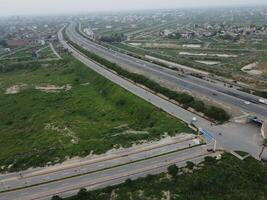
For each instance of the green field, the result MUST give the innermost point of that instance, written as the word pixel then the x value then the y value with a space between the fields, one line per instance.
pixel 227 179
pixel 25 54
pixel 63 109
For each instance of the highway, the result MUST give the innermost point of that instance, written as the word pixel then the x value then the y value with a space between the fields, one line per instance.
pixel 234 136
pixel 129 163
pixel 111 176
pixel 95 176
pixel 217 92
pixel 81 166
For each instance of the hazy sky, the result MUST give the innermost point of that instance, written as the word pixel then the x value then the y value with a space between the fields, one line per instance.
pixel 21 7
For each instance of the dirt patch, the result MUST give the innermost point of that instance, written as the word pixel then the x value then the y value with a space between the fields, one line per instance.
pixel 135 44
pixel 162 45
pixel 15 89
pixel 131 132
pixel 53 88
pixel 121 126
pixel 250 69
pixel 191 45
pixel 85 84
pixel 262 66
pixel 206 54
pixel 65 131
pixel 208 62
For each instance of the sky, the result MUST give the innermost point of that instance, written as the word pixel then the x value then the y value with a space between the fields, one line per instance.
pixel 46 7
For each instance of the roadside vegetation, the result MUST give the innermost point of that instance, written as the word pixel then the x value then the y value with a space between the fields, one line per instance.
pixel 225 179
pixel 114 37
pixel 29 53
pixel 186 100
pixel 59 109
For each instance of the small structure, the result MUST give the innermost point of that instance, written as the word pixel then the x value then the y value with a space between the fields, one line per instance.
pixel 208 137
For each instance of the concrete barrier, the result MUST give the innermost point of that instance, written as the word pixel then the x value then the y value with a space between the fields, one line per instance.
pixel 264 129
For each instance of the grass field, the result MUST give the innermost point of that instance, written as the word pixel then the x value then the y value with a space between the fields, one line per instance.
pixel 62 108
pixel 25 54
pixel 227 179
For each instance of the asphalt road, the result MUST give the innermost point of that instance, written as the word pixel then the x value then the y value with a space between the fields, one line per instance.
pixel 42 175
pixel 113 175
pixel 214 91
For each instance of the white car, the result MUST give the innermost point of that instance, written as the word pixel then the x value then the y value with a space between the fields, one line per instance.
pixel 264 101
pixel 247 102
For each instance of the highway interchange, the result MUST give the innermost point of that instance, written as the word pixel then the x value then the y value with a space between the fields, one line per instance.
pixel 104 171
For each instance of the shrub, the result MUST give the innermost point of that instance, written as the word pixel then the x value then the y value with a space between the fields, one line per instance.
pixel 173 170
pixel 56 198
pixel 190 165
pixel 82 194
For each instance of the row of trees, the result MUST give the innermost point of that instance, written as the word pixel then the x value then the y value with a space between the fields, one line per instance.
pixel 184 99
pixel 114 37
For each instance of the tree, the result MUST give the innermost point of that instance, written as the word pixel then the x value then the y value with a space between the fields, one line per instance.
pixel 128 181
pixel 190 165
pixel 173 170
pixel 82 194
pixel 56 198
pixel 210 160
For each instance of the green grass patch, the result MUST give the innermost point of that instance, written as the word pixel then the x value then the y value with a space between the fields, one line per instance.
pixel 96 115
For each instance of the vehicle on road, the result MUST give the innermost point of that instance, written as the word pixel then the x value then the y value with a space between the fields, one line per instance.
pixel 263 101
pixel 247 102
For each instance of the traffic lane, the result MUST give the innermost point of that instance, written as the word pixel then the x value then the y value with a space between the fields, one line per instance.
pixel 216 86
pixel 32 180
pixel 89 179
pixel 214 94
pixel 132 177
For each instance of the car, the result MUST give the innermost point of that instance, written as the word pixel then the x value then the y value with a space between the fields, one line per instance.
pixel 247 102
pixel 264 101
